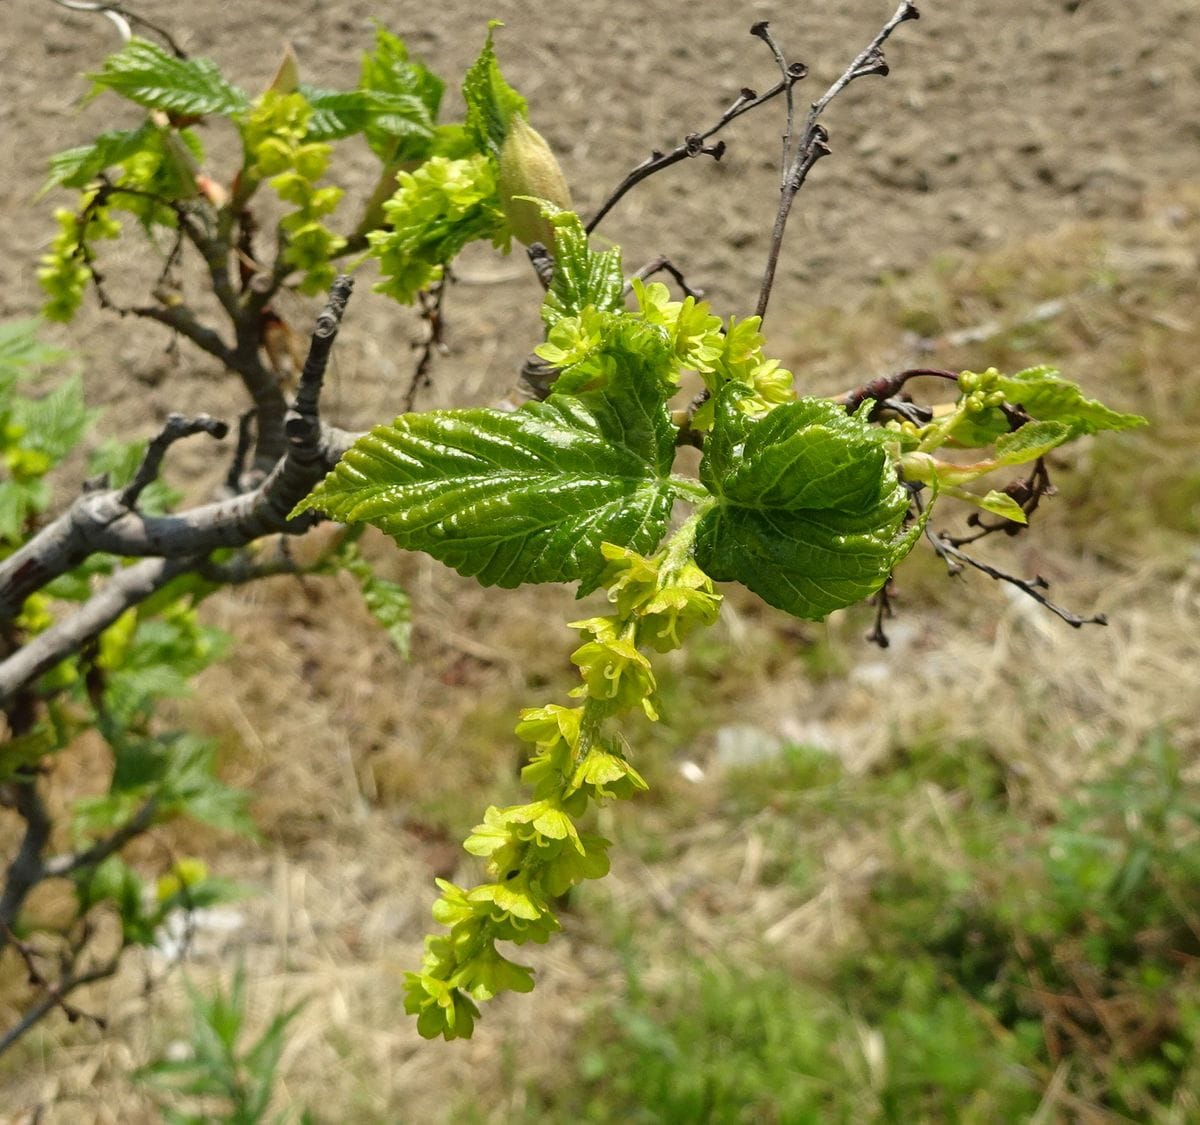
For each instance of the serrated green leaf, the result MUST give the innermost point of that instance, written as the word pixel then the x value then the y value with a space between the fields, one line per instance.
pixel 77 167
pixel 1031 441
pixel 389 70
pixel 341 113
pixel 18 501
pixel 145 73
pixel 582 276
pixel 510 498
pixel 20 349
pixel 811 509
pixel 1048 397
pixel 491 101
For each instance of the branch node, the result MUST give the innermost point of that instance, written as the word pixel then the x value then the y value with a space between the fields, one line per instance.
pixel 177 426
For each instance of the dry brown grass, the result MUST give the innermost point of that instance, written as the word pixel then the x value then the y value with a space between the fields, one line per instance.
pixel 366 770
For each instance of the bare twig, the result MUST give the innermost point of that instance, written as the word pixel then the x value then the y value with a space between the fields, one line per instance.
pixel 245 439
pixel 433 313
pixel 812 144
pixel 694 144
pixel 955 559
pixel 665 265
pixel 883 610
pixel 54 996
pixel 312 378
pixel 25 871
pixel 128 587
pixel 762 30
pixel 888 386
pixel 60 866
pixel 176 427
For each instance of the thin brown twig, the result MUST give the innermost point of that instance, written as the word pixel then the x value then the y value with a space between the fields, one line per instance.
pixel 762 30
pixel 955 559
pixel 694 144
pixel 812 145
pixel 433 302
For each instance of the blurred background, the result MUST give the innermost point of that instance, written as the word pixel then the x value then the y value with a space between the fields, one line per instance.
pixel 957 879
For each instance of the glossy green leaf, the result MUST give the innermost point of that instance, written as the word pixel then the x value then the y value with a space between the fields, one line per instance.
pixel 517 497
pixel 491 101
pixel 582 276
pixel 145 73
pixel 811 509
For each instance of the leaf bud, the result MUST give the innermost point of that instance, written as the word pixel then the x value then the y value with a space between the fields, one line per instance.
pixel 529 168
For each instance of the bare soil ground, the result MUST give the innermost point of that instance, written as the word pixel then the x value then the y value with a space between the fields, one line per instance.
pixel 1023 138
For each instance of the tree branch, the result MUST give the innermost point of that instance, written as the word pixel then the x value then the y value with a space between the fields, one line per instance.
pixel 55 996
pixel 812 145
pixel 60 866
pixel 694 144
pixel 26 870
pixel 177 426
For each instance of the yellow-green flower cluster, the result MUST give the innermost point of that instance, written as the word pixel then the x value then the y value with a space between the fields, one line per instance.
pixel 63 272
pixel 274 132
pixel 719 353
pixel 535 852
pixel 437 209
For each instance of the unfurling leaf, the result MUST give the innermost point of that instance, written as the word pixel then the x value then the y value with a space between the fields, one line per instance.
pixel 491 101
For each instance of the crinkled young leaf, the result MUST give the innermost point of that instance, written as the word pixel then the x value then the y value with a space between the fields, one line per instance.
pixel 810 511
pixel 145 73
pixel 1031 441
pixel 491 101
pixel 388 69
pixel 1048 397
pixel 582 276
pixel 509 498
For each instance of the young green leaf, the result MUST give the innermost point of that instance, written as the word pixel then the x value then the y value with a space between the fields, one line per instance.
pixel 1048 397
pixel 77 167
pixel 1031 441
pixel 810 510
pixel 342 113
pixel 582 276
pixel 509 498
pixel 145 73
pixel 388 70
pixel 491 101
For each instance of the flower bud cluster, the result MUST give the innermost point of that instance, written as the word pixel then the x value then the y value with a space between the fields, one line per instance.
pixel 63 272
pixel 274 132
pixel 535 852
pixel 720 353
